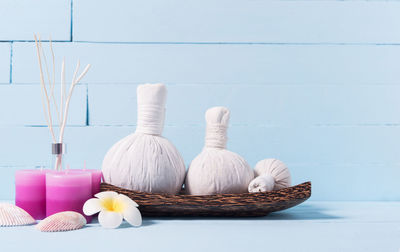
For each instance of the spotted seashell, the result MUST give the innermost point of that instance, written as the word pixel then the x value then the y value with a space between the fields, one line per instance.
pixel 11 215
pixel 63 221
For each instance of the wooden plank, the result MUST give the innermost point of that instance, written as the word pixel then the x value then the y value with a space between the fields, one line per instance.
pixel 325 145
pixel 255 105
pixel 220 64
pixel 19 19
pixel 321 232
pixel 22 105
pixel 334 158
pixel 341 212
pixel 237 21
pixel 5 52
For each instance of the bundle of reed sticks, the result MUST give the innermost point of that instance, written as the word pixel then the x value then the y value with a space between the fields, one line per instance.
pixel 48 94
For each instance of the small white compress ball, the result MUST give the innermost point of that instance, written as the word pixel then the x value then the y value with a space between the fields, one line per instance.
pixel 216 170
pixel 271 174
pixel 145 161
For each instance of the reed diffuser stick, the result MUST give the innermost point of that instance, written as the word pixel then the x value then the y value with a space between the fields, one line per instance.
pixel 46 98
pixel 62 90
pixel 48 95
pixel 53 83
pixel 75 81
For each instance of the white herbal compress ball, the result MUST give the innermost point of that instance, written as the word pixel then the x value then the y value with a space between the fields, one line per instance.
pixel 216 170
pixel 271 174
pixel 145 161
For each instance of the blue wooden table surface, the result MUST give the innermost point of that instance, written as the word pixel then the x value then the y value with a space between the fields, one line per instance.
pixel 312 226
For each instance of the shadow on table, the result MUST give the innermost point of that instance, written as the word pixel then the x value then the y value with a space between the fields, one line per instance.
pixel 145 222
pixel 302 212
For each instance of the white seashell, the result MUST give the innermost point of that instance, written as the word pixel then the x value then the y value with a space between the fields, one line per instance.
pixel 11 215
pixel 63 221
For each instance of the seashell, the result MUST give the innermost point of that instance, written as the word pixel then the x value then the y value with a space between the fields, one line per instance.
pixel 11 215
pixel 63 221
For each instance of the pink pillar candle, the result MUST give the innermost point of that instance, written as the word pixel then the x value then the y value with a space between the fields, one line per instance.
pixel 30 192
pixel 67 191
pixel 96 181
pixel 96 178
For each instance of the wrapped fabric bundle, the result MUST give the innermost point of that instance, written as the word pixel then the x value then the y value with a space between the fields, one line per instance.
pixel 216 170
pixel 145 161
pixel 271 174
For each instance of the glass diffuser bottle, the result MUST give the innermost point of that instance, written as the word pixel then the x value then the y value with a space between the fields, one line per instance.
pixel 58 151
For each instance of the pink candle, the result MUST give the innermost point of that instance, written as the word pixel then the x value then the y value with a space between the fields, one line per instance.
pixel 30 192
pixel 67 191
pixel 96 181
pixel 96 178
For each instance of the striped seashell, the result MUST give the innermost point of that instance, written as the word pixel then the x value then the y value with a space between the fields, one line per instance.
pixel 63 221
pixel 11 215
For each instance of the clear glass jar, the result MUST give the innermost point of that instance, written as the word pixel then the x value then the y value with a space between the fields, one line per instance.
pixel 58 151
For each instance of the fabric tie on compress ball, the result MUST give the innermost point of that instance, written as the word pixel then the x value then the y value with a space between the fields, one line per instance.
pixel 217 120
pixel 216 136
pixel 150 119
pixel 151 99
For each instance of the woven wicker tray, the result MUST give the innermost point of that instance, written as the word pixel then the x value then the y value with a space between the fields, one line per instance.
pixel 221 205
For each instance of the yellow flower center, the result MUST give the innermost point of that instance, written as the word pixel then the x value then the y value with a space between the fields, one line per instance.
pixel 113 205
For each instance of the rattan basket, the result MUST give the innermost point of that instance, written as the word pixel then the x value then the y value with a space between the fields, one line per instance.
pixel 221 205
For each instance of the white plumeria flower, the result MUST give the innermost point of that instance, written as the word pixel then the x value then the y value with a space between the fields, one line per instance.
pixel 113 208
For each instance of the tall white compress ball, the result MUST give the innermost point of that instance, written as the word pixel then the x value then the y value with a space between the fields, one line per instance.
pixel 216 170
pixel 145 161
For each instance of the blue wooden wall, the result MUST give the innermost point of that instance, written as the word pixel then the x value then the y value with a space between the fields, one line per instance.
pixel 313 83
